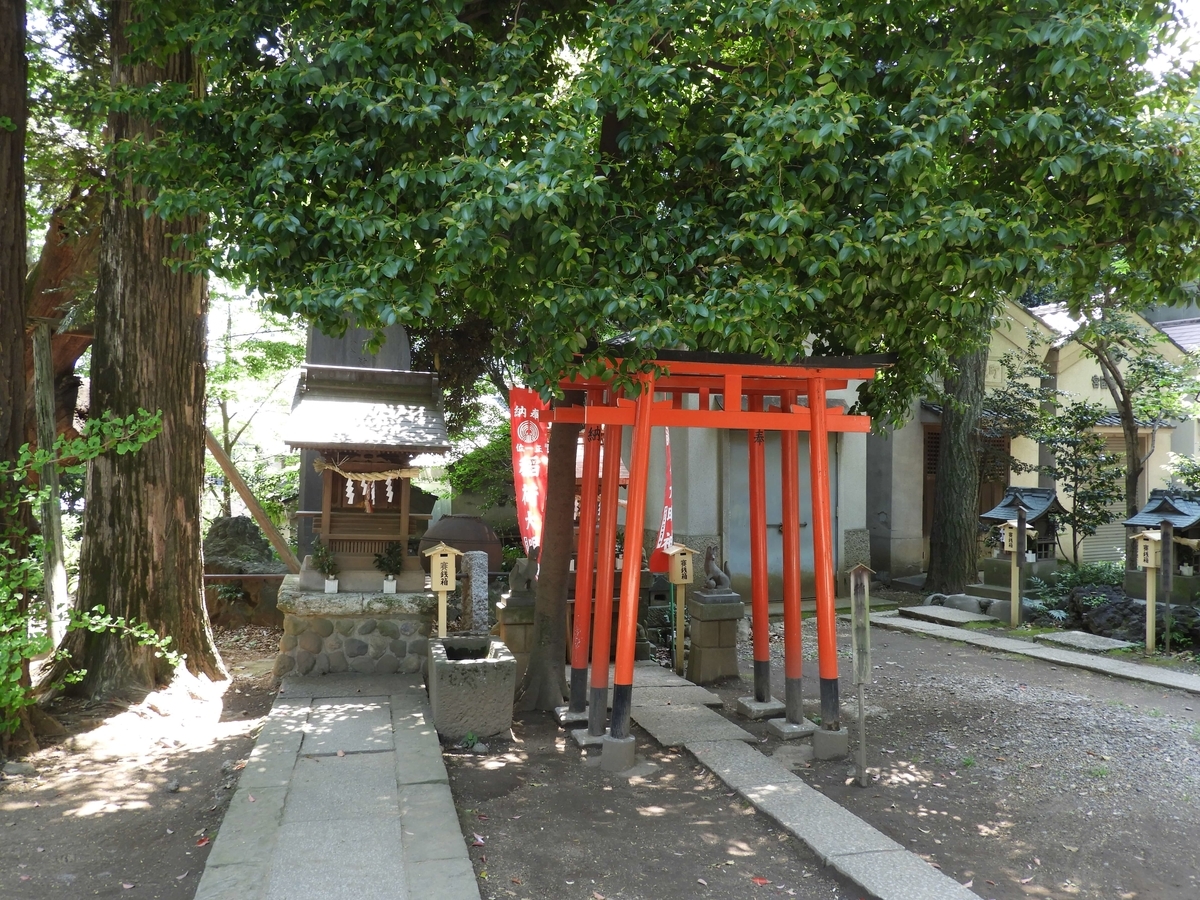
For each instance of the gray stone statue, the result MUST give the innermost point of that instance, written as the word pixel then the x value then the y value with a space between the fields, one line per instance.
pixel 717 579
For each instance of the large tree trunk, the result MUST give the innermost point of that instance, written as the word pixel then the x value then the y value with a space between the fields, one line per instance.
pixel 544 683
pixel 12 288
pixel 953 539
pixel 141 533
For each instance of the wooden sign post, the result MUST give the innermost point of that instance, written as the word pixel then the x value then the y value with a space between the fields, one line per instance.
pixel 441 578
pixel 680 574
pixel 1149 554
pixel 1015 535
pixel 860 643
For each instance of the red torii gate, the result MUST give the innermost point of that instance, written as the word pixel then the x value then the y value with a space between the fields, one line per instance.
pixel 744 384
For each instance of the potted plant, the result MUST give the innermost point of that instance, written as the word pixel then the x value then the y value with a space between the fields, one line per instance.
pixel 323 561
pixel 391 563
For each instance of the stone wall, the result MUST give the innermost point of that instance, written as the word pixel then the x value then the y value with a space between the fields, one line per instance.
pixel 367 633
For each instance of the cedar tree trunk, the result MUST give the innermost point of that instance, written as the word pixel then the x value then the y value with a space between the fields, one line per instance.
pixel 141 531
pixel 953 539
pixel 12 284
pixel 544 683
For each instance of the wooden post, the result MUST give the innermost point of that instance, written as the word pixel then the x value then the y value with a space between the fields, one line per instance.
pixel 405 506
pixel 680 598
pixel 1151 611
pixel 789 478
pixel 326 505
pixel 1168 556
pixel 264 522
pixel 1018 570
pixel 818 458
pixel 860 637
pixel 55 573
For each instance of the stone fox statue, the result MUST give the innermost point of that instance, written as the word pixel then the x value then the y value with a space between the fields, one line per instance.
pixel 717 579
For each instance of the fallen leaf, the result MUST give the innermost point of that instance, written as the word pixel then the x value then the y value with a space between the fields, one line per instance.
pixel 597 895
pixel 341 753
pixel 992 883
pixel 760 881
pixel 968 882
pixel 935 865
pixel 126 885
pixel 203 842
pixel 1027 880
pixel 702 881
pixel 1036 861
pixel 250 797
pixel 181 877
pixel 515 880
pixel 26 877
pixel 478 842
pixel 1072 849
pixel 481 817
pixel 170 831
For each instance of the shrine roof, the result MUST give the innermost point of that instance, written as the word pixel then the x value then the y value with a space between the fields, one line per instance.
pixel 1037 503
pixel 1180 509
pixel 353 409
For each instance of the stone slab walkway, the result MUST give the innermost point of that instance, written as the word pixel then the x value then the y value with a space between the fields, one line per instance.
pixel 946 615
pixel 1081 640
pixel 1118 668
pixel 842 840
pixel 345 796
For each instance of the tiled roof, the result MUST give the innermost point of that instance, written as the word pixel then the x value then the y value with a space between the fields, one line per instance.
pixel 1184 332
pixel 1180 509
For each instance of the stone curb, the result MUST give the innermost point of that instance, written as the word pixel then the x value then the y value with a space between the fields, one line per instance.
pixel 1116 668
pixel 862 853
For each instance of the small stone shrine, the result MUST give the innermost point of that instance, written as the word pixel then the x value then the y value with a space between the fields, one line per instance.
pixel 359 428
pixel 1041 510
pixel 1182 510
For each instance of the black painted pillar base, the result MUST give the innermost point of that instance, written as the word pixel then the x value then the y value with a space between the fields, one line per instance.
pixel 598 711
pixel 793 701
pixel 618 726
pixel 831 713
pixel 762 680
pixel 579 689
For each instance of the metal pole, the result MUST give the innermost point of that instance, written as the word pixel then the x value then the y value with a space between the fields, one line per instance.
pixel 1168 555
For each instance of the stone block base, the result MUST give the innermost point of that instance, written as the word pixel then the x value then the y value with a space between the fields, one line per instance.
pixel 584 738
pixel 790 731
pixel 471 695
pixel 618 754
pixel 714 620
pixel 831 744
pixel 755 709
pixel 566 717
pixel 709 664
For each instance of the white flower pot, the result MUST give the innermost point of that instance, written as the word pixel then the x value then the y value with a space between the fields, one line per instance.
pixel 996 551
pixel 1186 570
pixel 331 585
pixel 389 585
pixel 1030 556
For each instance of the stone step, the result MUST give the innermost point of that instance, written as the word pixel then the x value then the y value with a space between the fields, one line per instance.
pixel 989 591
pixel 943 615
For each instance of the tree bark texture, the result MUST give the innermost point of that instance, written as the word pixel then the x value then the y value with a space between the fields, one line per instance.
pixel 141 535
pixel 953 539
pixel 12 227
pixel 13 78
pixel 544 683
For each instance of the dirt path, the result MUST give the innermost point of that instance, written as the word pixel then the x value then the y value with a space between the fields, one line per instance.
pixel 554 826
pixel 1025 779
pixel 123 804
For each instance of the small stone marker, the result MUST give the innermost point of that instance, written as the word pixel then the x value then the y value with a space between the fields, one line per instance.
pixel 475 591
pixel 860 643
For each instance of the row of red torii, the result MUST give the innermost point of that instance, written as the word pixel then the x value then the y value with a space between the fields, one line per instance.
pixel 757 396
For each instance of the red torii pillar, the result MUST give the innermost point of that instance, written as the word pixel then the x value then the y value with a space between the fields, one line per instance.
pixel 618 752
pixel 789 473
pixel 759 595
pixel 576 709
pixel 818 455
pixel 610 484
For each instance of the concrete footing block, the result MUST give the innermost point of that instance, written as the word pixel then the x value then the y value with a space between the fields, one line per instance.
pixel 566 717
pixel 750 708
pixel 583 738
pixel 831 744
pixel 790 731
pixel 618 754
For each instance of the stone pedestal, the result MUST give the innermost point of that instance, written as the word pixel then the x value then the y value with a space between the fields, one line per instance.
pixel 371 633
pixel 471 685
pixel 831 744
pixel 714 620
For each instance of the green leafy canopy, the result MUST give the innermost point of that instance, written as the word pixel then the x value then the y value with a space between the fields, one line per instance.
pixel 767 177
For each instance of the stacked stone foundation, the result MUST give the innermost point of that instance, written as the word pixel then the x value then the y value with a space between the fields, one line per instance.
pixel 368 633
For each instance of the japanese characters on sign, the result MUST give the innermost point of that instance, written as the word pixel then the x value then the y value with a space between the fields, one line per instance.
pixel 530 449
pixel 666 529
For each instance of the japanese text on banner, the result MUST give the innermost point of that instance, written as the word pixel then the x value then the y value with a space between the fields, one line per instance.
pixel 530 446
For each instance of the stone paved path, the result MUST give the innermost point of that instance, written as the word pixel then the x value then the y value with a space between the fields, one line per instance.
pixel 344 796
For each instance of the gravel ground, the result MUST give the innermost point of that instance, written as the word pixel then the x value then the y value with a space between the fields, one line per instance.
pixel 1019 777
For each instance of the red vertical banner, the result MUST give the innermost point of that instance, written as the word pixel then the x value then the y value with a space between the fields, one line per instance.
pixel 659 561
pixel 531 454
